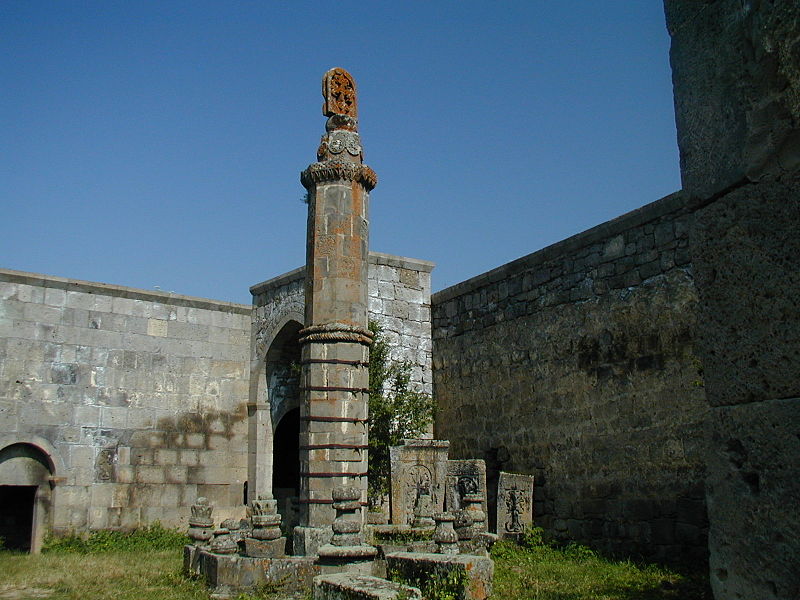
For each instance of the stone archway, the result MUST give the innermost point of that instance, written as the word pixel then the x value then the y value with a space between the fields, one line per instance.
pixel 274 391
pixel 283 380
pixel 26 473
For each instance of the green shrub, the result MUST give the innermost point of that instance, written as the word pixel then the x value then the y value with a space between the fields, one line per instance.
pixel 579 552
pixel 532 537
pixel 154 537
pixel 395 412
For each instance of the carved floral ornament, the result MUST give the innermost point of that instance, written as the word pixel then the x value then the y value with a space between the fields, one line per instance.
pixel 339 91
pixel 330 171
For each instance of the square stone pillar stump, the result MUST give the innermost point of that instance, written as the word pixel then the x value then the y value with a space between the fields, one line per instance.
pixel 334 382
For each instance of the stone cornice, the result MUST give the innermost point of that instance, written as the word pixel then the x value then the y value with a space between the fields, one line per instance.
pixel 326 172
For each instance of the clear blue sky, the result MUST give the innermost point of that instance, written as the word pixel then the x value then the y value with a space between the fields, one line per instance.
pixel 160 143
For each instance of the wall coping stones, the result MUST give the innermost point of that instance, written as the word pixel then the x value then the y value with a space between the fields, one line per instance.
pixel 120 291
pixel 391 260
pixel 648 212
pixel 376 258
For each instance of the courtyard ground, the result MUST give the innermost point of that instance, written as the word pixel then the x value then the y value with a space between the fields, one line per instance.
pixel 524 573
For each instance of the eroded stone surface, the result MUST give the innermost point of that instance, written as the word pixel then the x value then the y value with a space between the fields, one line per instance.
pixel 417 467
pixel 465 477
pixel 343 586
pixel 227 575
pixel 514 504
pixel 477 571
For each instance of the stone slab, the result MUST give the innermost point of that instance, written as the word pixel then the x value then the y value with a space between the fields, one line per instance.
pixel 229 575
pixel 514 504
pixel 343 586
pixel 415 465
pixel 465 476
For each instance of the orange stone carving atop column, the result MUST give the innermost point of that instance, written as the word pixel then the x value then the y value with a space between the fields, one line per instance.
pixel 339 91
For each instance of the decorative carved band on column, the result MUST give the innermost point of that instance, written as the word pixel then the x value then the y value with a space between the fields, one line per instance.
pixel 336 332
pixel 326 172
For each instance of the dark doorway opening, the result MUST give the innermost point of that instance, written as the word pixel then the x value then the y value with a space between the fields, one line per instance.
pixel 286 453
pixel 16 516
pixel 286 469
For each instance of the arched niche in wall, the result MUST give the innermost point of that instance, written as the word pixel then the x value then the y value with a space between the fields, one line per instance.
pixel 274 393
pixel 283 380
pixel 282 363
pixel 26 498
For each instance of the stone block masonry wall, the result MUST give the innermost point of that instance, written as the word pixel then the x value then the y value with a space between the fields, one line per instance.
pixel 399 300
pixel 141 395
pixel 576 364
pixel 736 76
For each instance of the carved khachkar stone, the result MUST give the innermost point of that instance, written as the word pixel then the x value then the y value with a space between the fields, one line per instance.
pixel 514 504
pixel 418 468
pixel 466 477
pixel 201 526
pixel 334 381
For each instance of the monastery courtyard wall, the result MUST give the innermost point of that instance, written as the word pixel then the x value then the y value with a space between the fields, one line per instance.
pixel 576 364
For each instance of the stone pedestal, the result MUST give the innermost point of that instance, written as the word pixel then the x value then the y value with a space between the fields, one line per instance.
pixel 346 543
pixel 223 542
pixel 229 575
pixel 265 538
pixel 473 506
pixel 201 526
pixel 444 535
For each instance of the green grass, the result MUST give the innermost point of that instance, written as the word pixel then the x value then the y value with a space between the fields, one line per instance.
pixel 124 567
pixel 113 575
pixel 537 571
pixel 154 537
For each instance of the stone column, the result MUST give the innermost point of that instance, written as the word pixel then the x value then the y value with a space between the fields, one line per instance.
pixel 335 343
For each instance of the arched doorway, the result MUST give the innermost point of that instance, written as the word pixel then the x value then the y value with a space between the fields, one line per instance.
pixel 283 379
pixel 25 496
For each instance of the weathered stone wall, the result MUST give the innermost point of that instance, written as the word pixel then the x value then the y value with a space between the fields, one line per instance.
pixel 399 300
pixel 139 396
pixel 576 364
pixel 736 75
